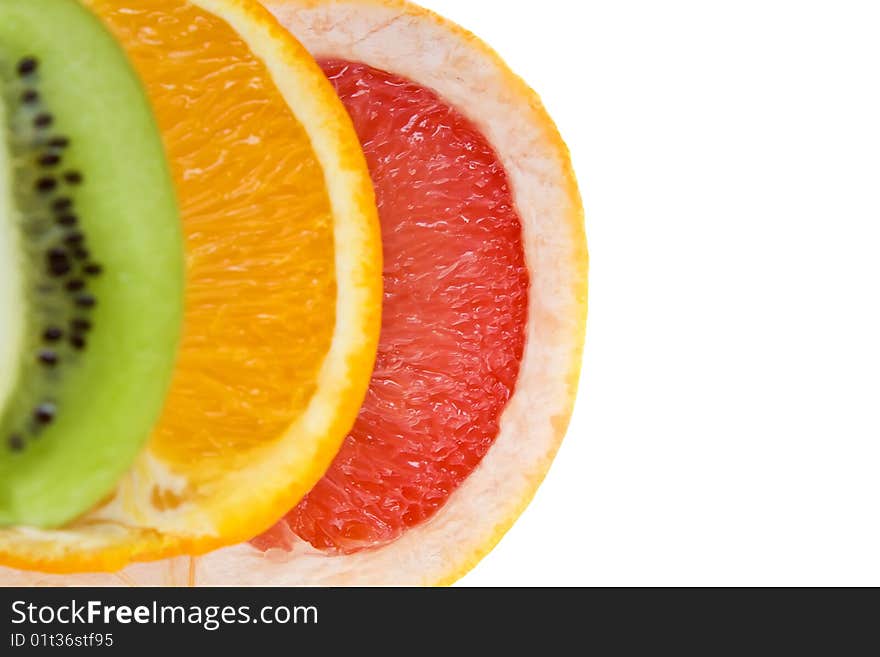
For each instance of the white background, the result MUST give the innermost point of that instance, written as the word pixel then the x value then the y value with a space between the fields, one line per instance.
pixel 728 427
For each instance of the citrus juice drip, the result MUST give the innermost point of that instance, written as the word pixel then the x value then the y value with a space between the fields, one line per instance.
pixel 455 309
pixel 261 287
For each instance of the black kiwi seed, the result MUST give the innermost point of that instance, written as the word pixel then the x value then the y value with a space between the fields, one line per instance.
pixel 78 342
pixel 59 267
pixel 93 269
pixel 59 262
pixel 86 301
pixel 43 120
pixel 45 413
pixel 74 238
pixel 81 325
pixel 75 285
pixel 80 253
pixel 48 357
pixel 73 177
pixel 62 204
pixel 29 96
pixel 53 334
pixel 67 219
pixel 49 160
pixel 27 66
pixel 59 142
pixel 16 443
pixel 46 185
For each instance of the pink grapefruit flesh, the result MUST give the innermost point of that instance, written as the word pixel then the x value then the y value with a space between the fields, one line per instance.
pixel 455 310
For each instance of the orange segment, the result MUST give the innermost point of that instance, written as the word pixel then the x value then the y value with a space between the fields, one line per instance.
pixel 261 286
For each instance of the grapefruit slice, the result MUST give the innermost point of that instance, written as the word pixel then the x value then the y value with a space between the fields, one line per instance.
pixel 484 314
pixel 283 296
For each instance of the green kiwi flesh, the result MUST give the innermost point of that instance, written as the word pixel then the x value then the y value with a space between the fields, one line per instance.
pixel 91 264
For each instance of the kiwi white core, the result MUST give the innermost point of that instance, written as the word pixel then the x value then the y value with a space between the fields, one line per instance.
pixel 12 315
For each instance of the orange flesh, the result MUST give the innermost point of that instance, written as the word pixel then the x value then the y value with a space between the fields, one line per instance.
pixel 261 286
pixel 453 334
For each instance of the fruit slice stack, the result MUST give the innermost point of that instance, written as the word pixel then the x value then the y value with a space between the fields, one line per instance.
pixel 485 272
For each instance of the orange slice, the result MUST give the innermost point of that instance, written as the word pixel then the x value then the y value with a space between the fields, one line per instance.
pixel 283 294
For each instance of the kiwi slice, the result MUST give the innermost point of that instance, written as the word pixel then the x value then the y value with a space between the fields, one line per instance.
pixel 91 263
